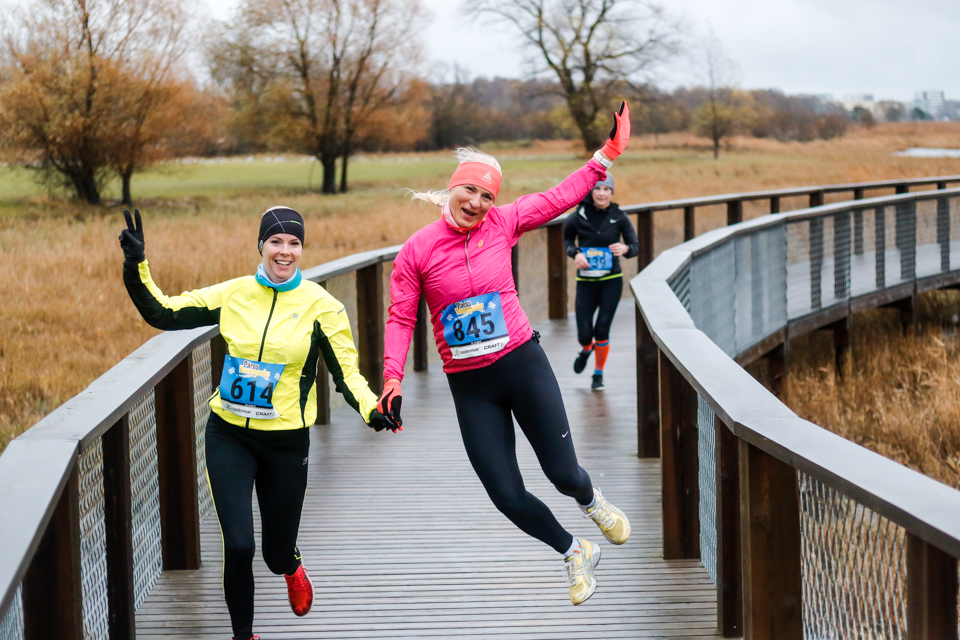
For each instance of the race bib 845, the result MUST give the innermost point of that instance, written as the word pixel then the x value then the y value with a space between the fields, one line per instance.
pixel 475 326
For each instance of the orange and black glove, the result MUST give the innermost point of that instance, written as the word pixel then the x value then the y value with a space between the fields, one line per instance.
pixel 389 406
pixel 619 136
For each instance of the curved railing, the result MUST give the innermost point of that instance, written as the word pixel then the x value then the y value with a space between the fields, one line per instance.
pixel 108 491
pixel 805 533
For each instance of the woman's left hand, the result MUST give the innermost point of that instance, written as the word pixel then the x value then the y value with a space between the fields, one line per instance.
pixel 618 248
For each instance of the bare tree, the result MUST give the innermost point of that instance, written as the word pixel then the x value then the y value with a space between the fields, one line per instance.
pixel 75 73
pixel 726 109
pixel 317 69
pixel 592 46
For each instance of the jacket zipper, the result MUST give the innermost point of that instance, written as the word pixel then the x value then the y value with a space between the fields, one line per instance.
pixel 263 340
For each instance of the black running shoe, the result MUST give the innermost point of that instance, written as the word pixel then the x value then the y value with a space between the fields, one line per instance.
pixel 581 362
pixel 597 384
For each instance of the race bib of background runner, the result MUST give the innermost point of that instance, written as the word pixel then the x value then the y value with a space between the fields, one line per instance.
pixel 601 262
pixel 246 387
pixel 475 326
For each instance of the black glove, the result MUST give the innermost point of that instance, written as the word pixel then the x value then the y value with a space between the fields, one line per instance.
pixel 379 422
pixel 131 239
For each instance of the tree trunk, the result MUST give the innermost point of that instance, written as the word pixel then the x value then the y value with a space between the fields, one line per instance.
pixel 329 165
pixel 343 171
pixel 716 148
pixel 85 184
pixel 125 178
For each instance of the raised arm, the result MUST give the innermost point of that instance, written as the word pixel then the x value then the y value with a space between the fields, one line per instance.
pixel 198 308
pixel 404 300
pixel 533 210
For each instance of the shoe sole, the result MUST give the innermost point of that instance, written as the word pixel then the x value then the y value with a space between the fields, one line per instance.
pixel 593 587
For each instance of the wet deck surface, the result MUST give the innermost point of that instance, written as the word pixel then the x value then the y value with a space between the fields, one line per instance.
pixel 402 542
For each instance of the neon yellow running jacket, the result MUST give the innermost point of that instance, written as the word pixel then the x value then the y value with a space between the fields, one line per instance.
pixel 292 328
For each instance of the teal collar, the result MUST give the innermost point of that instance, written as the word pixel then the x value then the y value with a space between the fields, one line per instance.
pixel 289 285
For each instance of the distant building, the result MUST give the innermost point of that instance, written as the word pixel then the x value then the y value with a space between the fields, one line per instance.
pixel 930 102
pixel 854 100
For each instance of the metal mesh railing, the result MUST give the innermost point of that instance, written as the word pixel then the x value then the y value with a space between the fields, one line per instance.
pixel 854 568
pixel 93 544
pixel 707 448
pixel 11 624
pixel 202 390
pixel 744 288
pixel 145 498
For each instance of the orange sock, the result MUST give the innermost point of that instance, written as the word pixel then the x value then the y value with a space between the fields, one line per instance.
pixel 601 349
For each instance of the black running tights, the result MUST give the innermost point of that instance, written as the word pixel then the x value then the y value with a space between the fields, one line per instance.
pixel 521 385
pixel 592 295
pixel 276 462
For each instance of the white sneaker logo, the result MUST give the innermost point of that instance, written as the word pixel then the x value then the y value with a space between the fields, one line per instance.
pixel 564 435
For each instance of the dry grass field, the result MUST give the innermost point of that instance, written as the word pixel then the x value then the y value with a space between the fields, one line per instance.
pixel 900 396
pixel 66 318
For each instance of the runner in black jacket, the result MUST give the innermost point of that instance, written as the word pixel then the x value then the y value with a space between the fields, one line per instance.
pixel 592 236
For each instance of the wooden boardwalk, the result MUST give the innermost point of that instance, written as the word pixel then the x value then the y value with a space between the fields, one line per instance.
pixel 402 542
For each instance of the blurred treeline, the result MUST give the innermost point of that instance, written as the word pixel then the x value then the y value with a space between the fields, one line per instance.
pixel 434 116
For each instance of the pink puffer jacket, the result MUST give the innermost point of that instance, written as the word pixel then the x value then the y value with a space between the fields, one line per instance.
pixel 448 266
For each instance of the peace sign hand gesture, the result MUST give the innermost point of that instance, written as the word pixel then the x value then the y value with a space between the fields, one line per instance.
pixel 131 239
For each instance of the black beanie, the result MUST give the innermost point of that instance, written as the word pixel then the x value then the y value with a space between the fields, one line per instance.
pixel 280 220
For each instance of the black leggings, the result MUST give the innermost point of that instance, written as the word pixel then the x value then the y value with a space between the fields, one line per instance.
pixel 276 462
pixel 602 294
pixel 523 383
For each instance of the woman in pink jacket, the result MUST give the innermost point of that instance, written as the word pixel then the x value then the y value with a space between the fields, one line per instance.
pixel 492 357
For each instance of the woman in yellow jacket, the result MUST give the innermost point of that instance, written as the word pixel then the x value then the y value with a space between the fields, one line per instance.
pixel 276 326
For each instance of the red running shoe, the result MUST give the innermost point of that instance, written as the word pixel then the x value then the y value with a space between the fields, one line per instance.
pixel 300 591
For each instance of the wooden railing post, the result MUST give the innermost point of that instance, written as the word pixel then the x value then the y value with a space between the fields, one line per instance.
pixel 943 232
pixel 816 262
pixel 902 188
pixel 645 236
pixel 118 524
pixel 729 570
pixel 679 465
pixel 858 232
pixel 880 242
pixel 775 204
pixel 52 586
pixel 689 223
pixel 841 255
pixel 370 324
pixel 906 234
pixel 770 534
pixel 931 592
pixel 648 392
pixel 816 198
pixel 323 386
pixel 734 211
pixel 177 468
pixel 556 273
pixel 420 343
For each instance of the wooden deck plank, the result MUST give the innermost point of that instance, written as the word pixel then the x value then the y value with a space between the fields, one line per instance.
pixel 402 542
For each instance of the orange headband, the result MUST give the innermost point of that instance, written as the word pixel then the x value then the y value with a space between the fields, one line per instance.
pixel 478 174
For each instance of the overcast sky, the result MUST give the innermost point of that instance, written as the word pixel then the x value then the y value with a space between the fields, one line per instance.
pixel 888 48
